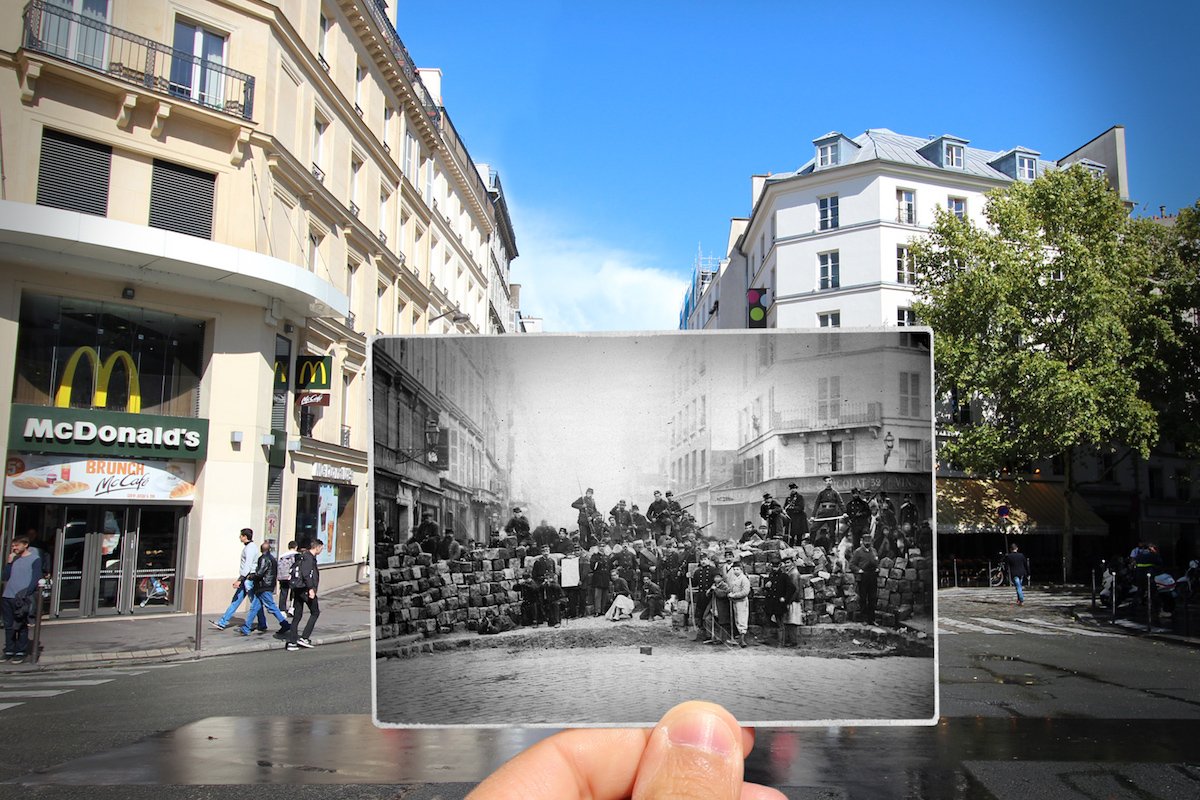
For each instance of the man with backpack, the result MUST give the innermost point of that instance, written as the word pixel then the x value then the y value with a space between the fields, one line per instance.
pixel 243 586
pixel 306 578
pixel 285 578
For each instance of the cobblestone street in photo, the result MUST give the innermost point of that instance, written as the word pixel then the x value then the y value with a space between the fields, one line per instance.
pixel 618 684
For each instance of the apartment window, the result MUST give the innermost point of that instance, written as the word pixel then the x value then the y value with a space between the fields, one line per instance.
pixel 954 155
pixel 356 165
pixel 906 317
pixel 1183 485
pixel 384 197
pixel 906 207
pixel 181 199
pixel 828 208
pixel 410 157
pixel 1154 483
pixel 314 250
pixel 835 456
pixel 827 155
pixel 320 126
pixel 389 126
pixel 323 39
pixel 197 71
pixel 380 306
pixel 829 319
pixel 360 80
pixel 829 398
pixel 957 206
pixel 351 278
pixel 830 271
pixel 77 41
pixel 73 173
pixel 910 394
pixel 1026 168
pixel 906 270
pixel 910 453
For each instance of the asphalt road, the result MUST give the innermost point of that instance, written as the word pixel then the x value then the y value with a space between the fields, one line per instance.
pixel 1033 704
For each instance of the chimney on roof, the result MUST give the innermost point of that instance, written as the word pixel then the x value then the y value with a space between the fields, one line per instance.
pixel 757 182
pixel 1162 211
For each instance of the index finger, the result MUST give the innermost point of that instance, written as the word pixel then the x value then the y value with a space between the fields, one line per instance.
pixel 597 764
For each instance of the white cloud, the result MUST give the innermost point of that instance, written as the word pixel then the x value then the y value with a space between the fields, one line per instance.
pixel 576 282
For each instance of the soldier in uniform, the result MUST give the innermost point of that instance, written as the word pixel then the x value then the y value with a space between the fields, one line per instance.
pixel 772 514
pixel 545 578
pixel 428 529
pixel 640 525
pixel 865 564
pixel 702 583
pixel 793 506
pixel 587 509
pixel 674 514
pixel 622 521
pixel 859 513
pixel 775 596
pixel 599 568
pixel 909 516
pixel 828 507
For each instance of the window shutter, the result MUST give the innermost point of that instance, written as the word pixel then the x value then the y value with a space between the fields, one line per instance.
pixel 181 199
pixel 848 455
pixel 73 174
pixel 810 458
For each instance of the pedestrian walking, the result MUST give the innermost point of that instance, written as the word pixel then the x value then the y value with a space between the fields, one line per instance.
pixel 243 586
pixel 21 574
pixel 306 579
pixel 1018 570
pixel 285 578
pixel 265 574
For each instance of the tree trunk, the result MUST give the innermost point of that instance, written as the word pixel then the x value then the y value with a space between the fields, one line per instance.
pixel 1068 540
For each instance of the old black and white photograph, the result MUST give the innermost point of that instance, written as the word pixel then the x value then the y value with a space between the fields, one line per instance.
pixel 587 530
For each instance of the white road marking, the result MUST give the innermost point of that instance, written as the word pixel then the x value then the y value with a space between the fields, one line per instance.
pixel 18 683
pixel 970 626
pixel 999 623
pixel 34 693
pixel 1069 629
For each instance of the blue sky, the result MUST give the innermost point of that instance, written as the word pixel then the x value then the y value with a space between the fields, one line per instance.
pixel 626 133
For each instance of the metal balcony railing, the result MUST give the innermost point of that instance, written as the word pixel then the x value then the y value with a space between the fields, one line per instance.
pixel 345 436
pixel 822 417
pixel 136 60
pixel 378 12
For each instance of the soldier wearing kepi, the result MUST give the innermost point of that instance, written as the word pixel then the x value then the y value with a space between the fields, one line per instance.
pixel 865 564
pixel 793 506
pixel 859 512
pixel 656 512
pixel 518 524
pixel 586 505
pixel 827 509
pixel 622 520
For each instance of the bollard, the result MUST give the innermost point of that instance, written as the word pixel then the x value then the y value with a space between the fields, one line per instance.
pixel 1115 592
pixel 987 578
pixel 1149 603
pixel 37 623
pixel 955 573
pixel 1093 591
pixel 199 610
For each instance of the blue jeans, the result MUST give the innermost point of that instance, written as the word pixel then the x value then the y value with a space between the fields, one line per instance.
pixel 1020 590
pixel 238 597
pixel 259 602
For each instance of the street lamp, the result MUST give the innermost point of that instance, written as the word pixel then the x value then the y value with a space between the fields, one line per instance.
pixel 889 442
pixel 456 317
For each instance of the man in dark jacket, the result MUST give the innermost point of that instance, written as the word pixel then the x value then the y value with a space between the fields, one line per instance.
pixel 266 572
pixel 702 583
pixel 21 573
pixel 859 512
pixel 518 525
pixel 306 579
pixel 545 578
pixel 772 514
pixel 586 506
pixel 599 567
pixel 656 513
pixel 865 564
pixel 1018 570
pixel 793 506
pixel 652 597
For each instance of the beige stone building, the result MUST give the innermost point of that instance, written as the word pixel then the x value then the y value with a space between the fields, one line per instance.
pixel 207 209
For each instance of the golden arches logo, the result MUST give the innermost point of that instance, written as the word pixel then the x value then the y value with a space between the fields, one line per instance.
pixel 101 375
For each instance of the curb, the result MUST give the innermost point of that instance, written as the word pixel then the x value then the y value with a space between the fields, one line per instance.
pixel 173 654
pixel 1161 634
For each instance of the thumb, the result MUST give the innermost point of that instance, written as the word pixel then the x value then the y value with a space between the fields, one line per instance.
pixel 695 753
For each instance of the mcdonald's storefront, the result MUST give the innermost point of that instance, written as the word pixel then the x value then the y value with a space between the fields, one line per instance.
pixel 104 449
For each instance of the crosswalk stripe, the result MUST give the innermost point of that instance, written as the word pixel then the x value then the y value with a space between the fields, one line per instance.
pixel 18 683
pixel 3 706
pixel 1069 629
pixel 34 693
pixel 945 632
pixel 970 626
pixel 999 623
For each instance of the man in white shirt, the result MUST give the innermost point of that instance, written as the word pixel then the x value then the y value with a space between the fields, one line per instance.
pixel 242 587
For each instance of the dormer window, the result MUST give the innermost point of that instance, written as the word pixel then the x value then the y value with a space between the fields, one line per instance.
pixel 1026 168
pixel 954 155
pixel 827 154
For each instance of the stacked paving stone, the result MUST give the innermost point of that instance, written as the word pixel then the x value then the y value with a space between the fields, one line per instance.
pixel 418 594
pixel 831 596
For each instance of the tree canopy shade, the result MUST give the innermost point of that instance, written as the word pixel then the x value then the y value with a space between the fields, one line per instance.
pixel 1042 321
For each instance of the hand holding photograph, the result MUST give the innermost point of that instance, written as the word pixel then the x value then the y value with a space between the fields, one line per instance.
pixel 587 530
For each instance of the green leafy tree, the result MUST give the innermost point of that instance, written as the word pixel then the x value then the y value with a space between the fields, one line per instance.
pixel 1039 318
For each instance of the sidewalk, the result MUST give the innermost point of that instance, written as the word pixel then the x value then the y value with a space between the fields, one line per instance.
pixel 345 616
pixel 1133 622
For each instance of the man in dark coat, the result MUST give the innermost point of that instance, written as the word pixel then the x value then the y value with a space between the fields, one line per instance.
pixel 586 505
pixel 772 513
pixel 865 564
pixel 426 530
pixel 518 525
pixel 702 583
pixel 1018 570
pixel 909 516
pixel 545 578
pixel 448 549
pixel 774 597
pixel 653 598
pixel 622 521
pixel 859 512
pixel 657 514
pixel 599 568
pixel 640 524
pixel 793 506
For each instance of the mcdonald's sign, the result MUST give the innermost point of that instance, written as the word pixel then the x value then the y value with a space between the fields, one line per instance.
pixel 313 373
pixel 101 375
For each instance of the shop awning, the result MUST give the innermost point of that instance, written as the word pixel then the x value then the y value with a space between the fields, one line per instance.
pixel 966 505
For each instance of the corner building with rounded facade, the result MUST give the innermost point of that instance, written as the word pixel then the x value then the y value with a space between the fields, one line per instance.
pixel 208 208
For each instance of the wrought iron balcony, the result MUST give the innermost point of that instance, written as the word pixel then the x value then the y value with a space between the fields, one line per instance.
pixel 136 60
pixel 345 436
pixel 831 416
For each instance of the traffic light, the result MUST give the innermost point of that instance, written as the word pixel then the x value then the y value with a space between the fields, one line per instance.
pixel 757 305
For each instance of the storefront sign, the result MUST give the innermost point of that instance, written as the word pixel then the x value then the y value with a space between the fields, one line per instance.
pixel 312 398
pixel 322 471
pixel 313 373
pixel 101 377
pixel 70 479
pixel 80 430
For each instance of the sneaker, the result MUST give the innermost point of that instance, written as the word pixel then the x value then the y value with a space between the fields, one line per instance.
pixel 7 657
pixel 304 642
pixel 216 623
pixel 284 628
pixel 19 658
pixel 291 648
pixel 243 632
